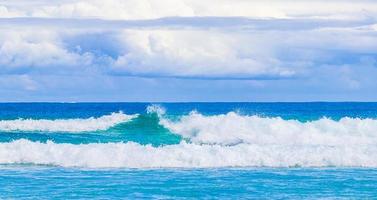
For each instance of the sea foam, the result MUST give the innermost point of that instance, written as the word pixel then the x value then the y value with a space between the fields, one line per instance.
pixel 188 155
pixel 233 128
pixel 66 125
pixel 225 140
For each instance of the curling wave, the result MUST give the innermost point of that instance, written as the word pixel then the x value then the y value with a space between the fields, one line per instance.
pixel 66 125
pixel 133 155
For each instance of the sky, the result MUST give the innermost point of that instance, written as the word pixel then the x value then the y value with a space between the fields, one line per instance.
pixel 188 50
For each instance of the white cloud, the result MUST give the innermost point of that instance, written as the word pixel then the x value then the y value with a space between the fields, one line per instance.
pixel 180 51
pixel 196 54
pixel 4 12
pixel 150 9
pixel 200 48
pixel 24 50
pixel 323 46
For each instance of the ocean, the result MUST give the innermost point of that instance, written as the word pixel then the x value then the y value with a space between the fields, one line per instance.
pixel 188 150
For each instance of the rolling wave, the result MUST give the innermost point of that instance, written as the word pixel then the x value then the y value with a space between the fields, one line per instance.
pixel 188 155
pixel 224 140
pixel 233 128
pixel 66 125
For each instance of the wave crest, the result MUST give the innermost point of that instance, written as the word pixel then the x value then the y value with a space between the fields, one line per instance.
pixel 226 140
pixel 232 128
pixel 157 109
pixel 133 155
pixel 66 125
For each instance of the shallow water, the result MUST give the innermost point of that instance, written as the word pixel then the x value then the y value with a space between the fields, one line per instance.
pixel 259 183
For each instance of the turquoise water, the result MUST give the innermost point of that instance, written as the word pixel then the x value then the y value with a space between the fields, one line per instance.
pixel 62 183
pixel 188 150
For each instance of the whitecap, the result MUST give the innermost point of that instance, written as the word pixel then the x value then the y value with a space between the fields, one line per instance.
pixel 66 125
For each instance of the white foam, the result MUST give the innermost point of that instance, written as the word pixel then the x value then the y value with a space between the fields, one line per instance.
pixel 228 140
pixel 66 125
pixel 157 109
pixel 133 155
pixel 232 128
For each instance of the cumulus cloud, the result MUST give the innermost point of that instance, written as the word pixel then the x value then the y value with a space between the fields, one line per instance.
pixel 254 49
pixel 195 53
pixel 23 51
pixel 175 53
pixel 320 44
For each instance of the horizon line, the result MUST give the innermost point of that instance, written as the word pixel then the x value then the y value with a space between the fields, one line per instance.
pixel 157 102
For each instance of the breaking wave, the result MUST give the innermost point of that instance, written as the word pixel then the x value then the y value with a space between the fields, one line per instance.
pixel 225 140
pixel 66 125
pixel 189 155
pixel 233 128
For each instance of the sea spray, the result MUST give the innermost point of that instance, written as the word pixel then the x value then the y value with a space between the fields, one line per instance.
pixel 233 128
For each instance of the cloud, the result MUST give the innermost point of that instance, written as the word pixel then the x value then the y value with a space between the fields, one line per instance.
pixel 182 47
pixel 171 53
pixel 150 9
pixel 26 51
pixel 115 47
pixel 186 53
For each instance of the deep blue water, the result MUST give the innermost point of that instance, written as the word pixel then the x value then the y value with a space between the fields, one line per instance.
pixel 303 111
pixel 188 150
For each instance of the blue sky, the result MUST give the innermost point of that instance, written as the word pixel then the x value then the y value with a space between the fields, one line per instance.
pixel 188 50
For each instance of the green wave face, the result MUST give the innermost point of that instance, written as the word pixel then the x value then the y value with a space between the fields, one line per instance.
pixel 144 129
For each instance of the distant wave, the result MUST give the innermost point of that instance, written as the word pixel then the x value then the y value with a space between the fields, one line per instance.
pixel 233 128
pixel 189 155
pixel 66 125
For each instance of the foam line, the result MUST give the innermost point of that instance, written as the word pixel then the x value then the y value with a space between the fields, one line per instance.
pixel 188 155
pixel 66 125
